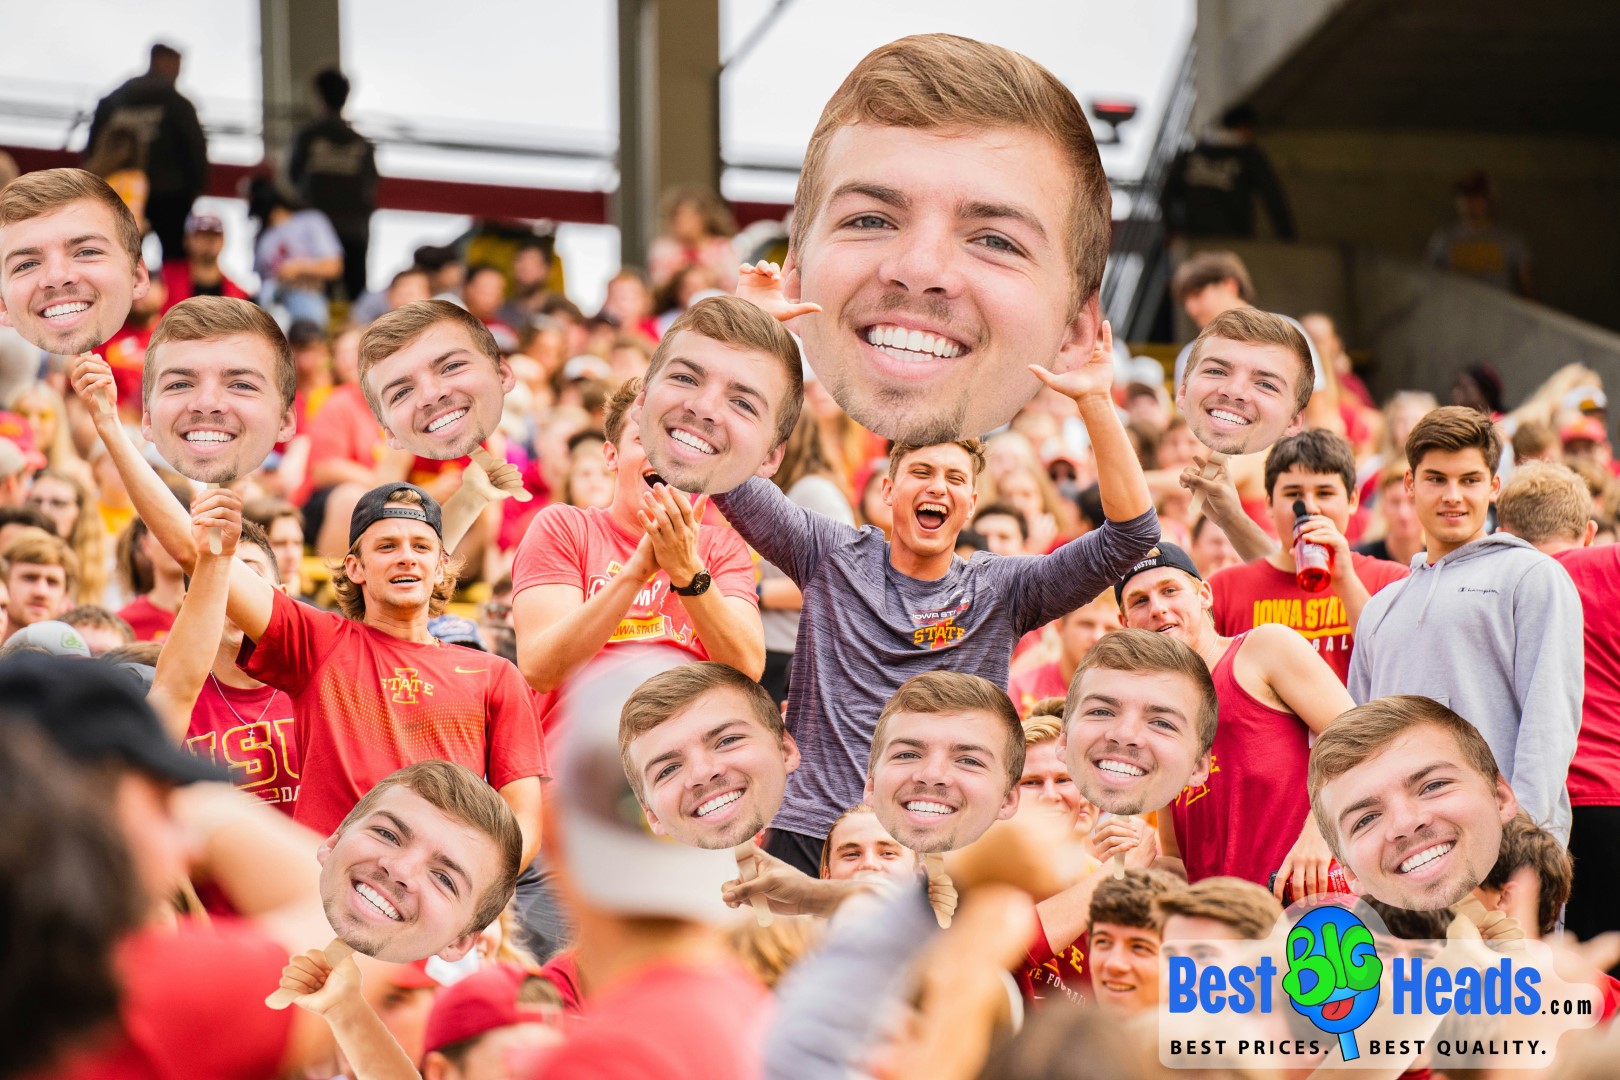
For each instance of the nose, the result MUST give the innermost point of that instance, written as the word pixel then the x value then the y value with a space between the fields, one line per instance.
pixel 868 861
pixel 1404 817
pixel 924 258
pixel 702 767
pixel 401 865
pixel 60 270
pixel 1049 791
pixel 706 401
pixel 208 397
pixel 932 770
pixel 1113 961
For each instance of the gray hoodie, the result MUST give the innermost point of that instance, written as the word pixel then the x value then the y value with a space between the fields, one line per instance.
pixel 1494 630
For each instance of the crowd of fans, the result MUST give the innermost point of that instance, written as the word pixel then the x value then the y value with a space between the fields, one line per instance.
pixel 151 908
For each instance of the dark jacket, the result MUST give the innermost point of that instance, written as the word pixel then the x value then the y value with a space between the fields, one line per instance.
pixel 335 169
pixel 176 149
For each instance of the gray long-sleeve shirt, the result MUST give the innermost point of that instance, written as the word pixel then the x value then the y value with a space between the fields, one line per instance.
pixel 866 628
pixel 1494 631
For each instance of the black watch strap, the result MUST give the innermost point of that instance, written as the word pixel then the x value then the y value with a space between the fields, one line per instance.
pixel 696 587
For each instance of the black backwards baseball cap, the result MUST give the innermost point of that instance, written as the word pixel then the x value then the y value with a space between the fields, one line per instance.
pixel 1163 555
pixel 93 711
pixel 373 507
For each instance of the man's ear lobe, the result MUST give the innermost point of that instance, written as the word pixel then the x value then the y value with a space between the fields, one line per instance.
pixel 458 948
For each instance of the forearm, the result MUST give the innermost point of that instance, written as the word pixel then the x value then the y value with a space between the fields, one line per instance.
pixel 154 503
pixel 367 1044
pixel 548 658
pixel 780 594
pixel 458 515
pixel 331 471
pixel 1120 482
pixel 729 635
pixel 188 651
pixel 1354 595
pixel 1066 915
pixel 1248 539
pixel 523 796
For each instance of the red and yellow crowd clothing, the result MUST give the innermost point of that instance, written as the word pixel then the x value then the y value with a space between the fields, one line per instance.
pixel 150 622
pixel 250 732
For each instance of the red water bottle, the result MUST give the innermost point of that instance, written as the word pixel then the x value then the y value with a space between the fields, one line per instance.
pixel 1313 563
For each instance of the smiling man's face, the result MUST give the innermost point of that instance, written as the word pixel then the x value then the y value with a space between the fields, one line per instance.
pixel 1167 601
pixel 400 563
pixel 404 882
pixel 1239 397
pixel 932 498
pixel 215 409
pixel 1132 743
pixel 708 415
pixel 439 396
pixel 941 262
pixel 940 779
pixel 66 283
pixel 712 775
pixel 1418 827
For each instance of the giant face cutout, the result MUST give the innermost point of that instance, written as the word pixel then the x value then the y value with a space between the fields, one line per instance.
pixel 438 396
pixel 66 281
pixel 406 880
pixel 939 780
pixel 1132 742
pixel 1239 397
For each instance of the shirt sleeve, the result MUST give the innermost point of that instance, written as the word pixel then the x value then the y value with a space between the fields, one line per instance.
pixel 323 239
pixel 1549 680
pixel 1046 587
pixel 551 551
pixel 293 646
pixel 516 749
pixel 788 536
pixel 731 566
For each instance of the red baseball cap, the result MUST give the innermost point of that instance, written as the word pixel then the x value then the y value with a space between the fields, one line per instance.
pixel 412 976
pixel 478 1004
pixel 15 427
pixel 1586 427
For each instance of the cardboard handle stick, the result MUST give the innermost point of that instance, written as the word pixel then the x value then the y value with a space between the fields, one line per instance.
pixel 934 867
pixel 747 870
pixel 489 463
pixel 1216 460
pixel 336 953
pixel 216 535
pixel 1119 868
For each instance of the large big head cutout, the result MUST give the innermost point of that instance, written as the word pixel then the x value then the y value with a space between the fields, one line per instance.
pixel 70 260
pixel 1138 722
pixel 217 388
pixel 946 759
pixel 1247 382
pixel 952 222
pixel 434 378
pixel 706 752
pixel 1409 798
pixel 423 863
pixel 722 394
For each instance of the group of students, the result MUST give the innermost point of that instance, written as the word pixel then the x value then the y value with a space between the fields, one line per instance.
pixel 926 841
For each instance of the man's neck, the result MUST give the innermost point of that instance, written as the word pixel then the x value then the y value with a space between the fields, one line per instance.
pixel 1438 549
pixel 611 950
pixel 1282 559
pixel 226 671
pixel 167 591
pixel 405 624
pixel 921 567
pixel 1208 644
pixel 623 510
pixel 1402 552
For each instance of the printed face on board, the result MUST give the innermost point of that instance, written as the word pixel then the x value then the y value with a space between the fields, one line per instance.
pixel 1238 396
pixel 215 410
pixel 1132 742
pixel 66 282
pixel 940 779
pixel 438 396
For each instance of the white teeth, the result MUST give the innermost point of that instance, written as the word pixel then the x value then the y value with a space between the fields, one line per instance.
pixel 208 436
pixel 404 580
pixel 447 419
pixel 1229 417
pixel 1425 857
pixel 1120 768
pixel 929 808
pixel 692 441
pixel 377 900
pixel 913 341
pixel 938 508
pixel 718 802
pixel 66 309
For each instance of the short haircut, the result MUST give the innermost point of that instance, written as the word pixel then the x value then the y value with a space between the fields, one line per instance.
pixel 1314 451
pixel 1242 905
pixel 46 191
pixel 36 549
pixel 1544 501
pixel 668 692
pixel 351 598
pixel 1129 901
pixel 1365 731
pixel 941 82
pixel 827 844
pixel 398 328
pixel 32 516
pixel 1533 438
pixel 1004 510
pixel 1394 473
pixel 209 318
pixel 483 268
pixel 1042 724
pixel 1251 326
pixel 1453 429
pixel 974 448
pixel 1136 650
pixel 254 535
pixel 162 52
pixel 333 87
pixel 1524 843
pixel 1211 268
pixel 617 413
pixel 739 324
pixel 461 794
pixel 936 692
pixel 266 511
pixel 94 616
pixel 134 652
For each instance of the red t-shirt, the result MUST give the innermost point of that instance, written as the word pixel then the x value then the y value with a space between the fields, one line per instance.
pixel 1033 684
pixel 1046 977
pixel 125 353
pixel 150 622
pixel 1257 592
pixel 672 1021
pixel 366 703
pixel 177 276
pixel 586 547
pixel 1594 775
pixel 193 1008
pixel 249 732
pixel 347 432
pixel 1243 820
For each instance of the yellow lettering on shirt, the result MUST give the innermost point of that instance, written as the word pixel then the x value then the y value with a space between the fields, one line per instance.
pixel 404 687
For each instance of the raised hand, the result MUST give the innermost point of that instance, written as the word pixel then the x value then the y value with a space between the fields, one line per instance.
pixel 312 981
pixel 92 380
pixel 493 478
pixel 1128 838
pixel 761 285
pixel 671 523
pixel 1307 864
pixel 217 513
pixel 1094 378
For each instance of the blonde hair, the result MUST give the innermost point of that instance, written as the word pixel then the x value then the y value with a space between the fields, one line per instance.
pixel 1242 905
pixel 934 693
pixel 1251 326
pixel 933 82
pixel 209 318
pixel 351 598
pixel 1544 501
pixel 1044 722
pixel 46 191
pixel 88 540
pixel 769 951
pixel 461 794
pixel 667 693
pixel 1137 650
pixel 40 548
pixel 744 326
pixel 398 328
pixel 974 448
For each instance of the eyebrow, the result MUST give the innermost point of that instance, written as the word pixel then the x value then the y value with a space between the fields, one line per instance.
pixel 978 211
pixel 1261 373
pixel 879 192
pixel 1374 800
pixel 230 373
pixel 72 242
pixel 732 385
pixel 956 748
pixel 435 362
pixel 1151 707
pixel 440 857
pixel 672 755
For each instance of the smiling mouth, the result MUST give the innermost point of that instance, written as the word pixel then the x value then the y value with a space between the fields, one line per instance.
pixel 925 806
pixel 405 579
pixel 1119 987
pixel 912 345
pixel 1119 770
pixel 378 902
pixel 652 479
pixel 208 438
pixel 1226 416
pixel 690 441
pixel 719 802
pixel 446 420
pixel 60 311
pixel 1425 857
pixel 932 515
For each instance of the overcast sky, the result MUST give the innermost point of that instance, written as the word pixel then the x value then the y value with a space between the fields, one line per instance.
pixel 544 71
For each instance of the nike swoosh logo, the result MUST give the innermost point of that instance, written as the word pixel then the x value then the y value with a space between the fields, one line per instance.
pixel 471 671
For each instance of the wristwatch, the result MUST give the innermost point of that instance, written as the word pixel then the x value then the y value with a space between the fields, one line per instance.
pixel 696 587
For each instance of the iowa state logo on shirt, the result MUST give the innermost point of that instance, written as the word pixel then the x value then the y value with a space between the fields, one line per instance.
pixel 938 629
pixel 404 688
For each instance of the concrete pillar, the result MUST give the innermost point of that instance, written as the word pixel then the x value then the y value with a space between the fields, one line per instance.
pixel 669 110
pixel 297 38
